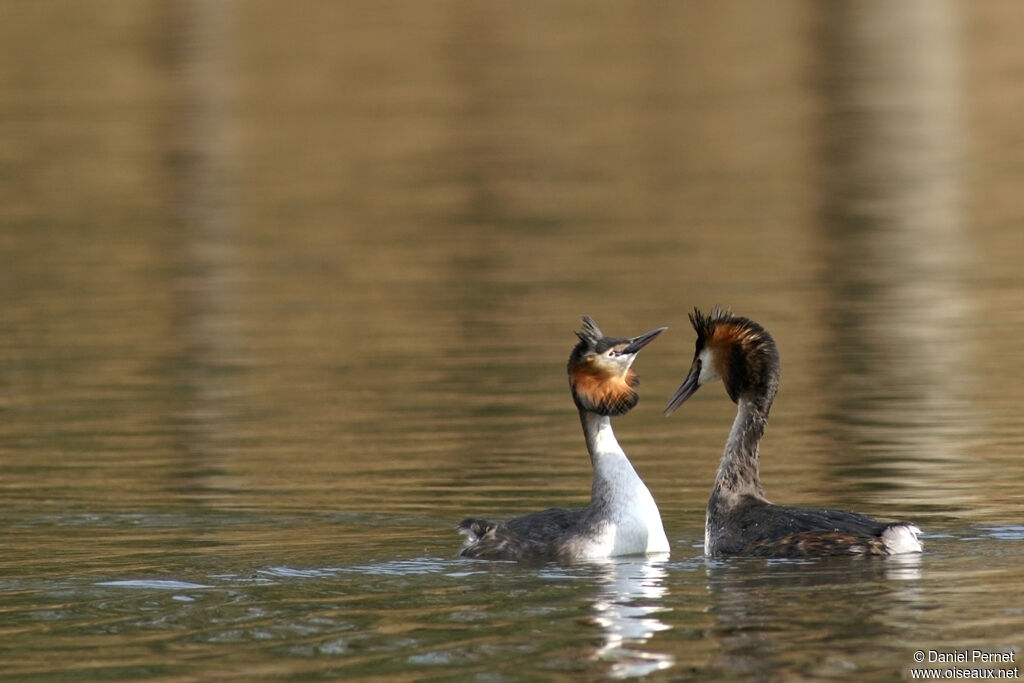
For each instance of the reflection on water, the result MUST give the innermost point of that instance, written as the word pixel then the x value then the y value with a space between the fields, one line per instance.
pixel 206 279
pixel 895 243
pixel 631 595
pixel 761 608
pixel 287 294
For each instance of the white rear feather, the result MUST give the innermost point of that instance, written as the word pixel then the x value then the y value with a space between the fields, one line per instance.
pixel 902 538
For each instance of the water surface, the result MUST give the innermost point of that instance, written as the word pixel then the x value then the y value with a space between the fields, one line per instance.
pixel 287 295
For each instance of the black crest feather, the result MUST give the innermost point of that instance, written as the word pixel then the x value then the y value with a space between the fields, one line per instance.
pixel 590 334
pixel 705 325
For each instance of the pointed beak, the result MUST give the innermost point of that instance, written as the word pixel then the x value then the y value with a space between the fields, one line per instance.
pixel 687 389
pixel 637 343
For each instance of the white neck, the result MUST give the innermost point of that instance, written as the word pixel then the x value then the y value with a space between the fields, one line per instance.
pixel 619 499
pixel 601 441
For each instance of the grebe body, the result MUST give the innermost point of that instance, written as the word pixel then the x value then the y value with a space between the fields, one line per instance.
pixel 740 520
pixel 622 517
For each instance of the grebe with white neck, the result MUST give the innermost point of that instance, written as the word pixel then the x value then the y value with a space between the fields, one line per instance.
pixel 622 517
pixel 740 520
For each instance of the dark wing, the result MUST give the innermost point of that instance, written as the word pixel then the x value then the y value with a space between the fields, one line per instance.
pixel 540 535
pixel 756 527
pixel 817 544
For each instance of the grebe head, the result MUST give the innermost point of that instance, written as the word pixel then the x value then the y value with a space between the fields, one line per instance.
pixel 600 369
pixel 734 349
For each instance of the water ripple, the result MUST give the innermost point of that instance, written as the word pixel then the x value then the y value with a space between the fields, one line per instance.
pixel 154 584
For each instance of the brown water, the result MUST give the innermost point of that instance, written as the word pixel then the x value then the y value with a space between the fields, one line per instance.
pixel 287 292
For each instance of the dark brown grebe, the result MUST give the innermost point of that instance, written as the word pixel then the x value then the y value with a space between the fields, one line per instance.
pixel 740 521
pixel 622 518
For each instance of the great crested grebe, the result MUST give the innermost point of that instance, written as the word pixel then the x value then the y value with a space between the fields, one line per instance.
pixel 622 518
pixel 740 521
